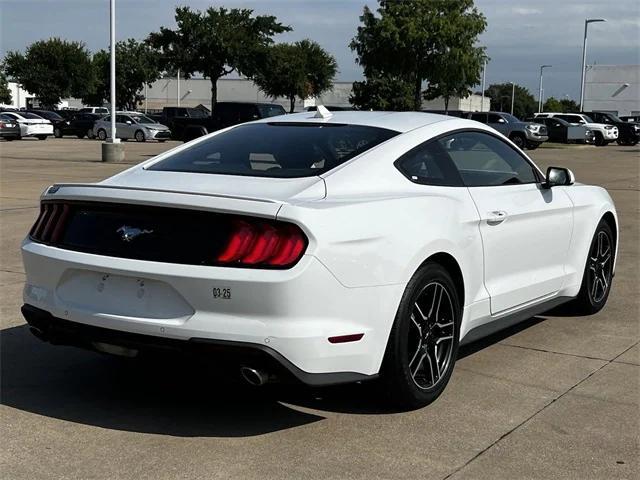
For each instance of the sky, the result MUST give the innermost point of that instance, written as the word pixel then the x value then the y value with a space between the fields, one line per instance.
pixel 521 35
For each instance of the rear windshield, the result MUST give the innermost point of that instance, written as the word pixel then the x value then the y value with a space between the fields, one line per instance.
pixel 267 111
pixel 281 150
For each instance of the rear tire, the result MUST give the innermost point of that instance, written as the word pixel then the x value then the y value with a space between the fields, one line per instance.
pixel 423 343
pixel 90 134
pixel 598 272
pixel 57 133
pixel 102 134
pixel 139 136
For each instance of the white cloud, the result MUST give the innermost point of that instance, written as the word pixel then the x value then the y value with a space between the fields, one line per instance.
pixel 526 11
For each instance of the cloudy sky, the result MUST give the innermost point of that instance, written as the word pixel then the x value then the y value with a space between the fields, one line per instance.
pixel 521 35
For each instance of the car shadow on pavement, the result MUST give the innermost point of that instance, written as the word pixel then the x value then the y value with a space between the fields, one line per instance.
pixel 171 396
pixel 168 398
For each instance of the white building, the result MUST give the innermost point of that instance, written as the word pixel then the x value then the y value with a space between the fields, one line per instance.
pixel 612 88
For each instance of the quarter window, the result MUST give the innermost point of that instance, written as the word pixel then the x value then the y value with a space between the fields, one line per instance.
pixel 429 164
pixel 484 160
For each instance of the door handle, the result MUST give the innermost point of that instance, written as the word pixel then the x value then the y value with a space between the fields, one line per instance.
pixel 496 217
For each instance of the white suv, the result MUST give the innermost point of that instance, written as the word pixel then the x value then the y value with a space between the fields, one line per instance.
pixel 604 134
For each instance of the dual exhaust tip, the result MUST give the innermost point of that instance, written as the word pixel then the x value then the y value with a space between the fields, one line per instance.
pixel 254 376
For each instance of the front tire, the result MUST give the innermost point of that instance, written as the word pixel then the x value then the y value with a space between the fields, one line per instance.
pixel 598 272
pixel 519 140
pixel 600 142
pixel 139 136
pixel 102 134
pixel 423 343
pixel 532 145
pixel 41 137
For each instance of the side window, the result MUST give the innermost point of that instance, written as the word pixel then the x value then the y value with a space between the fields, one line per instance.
pixel 429 164
pixel 479 117
pixel 493 118
pixel 484 160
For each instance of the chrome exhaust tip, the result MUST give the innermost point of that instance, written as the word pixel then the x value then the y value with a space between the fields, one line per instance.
pixel 254 377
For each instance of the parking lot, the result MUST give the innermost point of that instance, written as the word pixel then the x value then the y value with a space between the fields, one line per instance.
pixel 555 397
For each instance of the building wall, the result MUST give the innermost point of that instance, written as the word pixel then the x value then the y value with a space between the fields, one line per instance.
pixel 613 88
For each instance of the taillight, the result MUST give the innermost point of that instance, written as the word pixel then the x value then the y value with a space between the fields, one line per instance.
pixel 50 224
pixel 261 244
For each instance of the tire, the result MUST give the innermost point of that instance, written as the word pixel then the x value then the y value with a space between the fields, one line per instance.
pixel 80 135
pixel 57 133
pixel 10 139
pixel 519 140
pixel 599 140
pixel 405 377
pixel 532 145
pixel 598 272
pixel 41 137
pixel 90 134
pixel 139 136
pixel 102 134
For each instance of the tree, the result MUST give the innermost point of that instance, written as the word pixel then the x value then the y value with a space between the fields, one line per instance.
pixel 52 69
pixel 524 104
pixel 137 64
pixel 456 72
pixel 216 42
pixel 382 92
pixel 569 106
pixel 302 69
pixel 413 39
pixel 5 93
pixel 552 105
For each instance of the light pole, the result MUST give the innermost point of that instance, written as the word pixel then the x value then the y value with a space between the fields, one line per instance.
pixel 112 150
pixel 178 90
pixel 587 21
pixel 542 67
pixel 513 95
pixel 484 76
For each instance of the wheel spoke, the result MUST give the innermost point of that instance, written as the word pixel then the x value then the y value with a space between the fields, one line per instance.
pixel 415 355
pixel 413 320
pixel 413 374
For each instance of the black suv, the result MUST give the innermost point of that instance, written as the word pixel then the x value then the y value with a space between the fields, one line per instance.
pixel 628 132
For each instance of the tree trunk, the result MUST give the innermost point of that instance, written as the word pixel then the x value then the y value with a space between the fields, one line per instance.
pixel 446 105
pixel 214 92
pixel 417 93
pixel 292 103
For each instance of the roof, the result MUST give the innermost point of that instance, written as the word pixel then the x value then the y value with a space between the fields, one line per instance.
pixel 398 121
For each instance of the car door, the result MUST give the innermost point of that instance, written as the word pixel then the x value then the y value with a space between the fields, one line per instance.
pixel 525 228
pixel 125 126
pixel 500 124
pixel 557 131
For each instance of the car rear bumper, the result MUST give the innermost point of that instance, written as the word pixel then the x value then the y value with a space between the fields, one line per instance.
pixel 291 312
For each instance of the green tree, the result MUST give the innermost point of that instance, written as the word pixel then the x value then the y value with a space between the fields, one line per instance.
pixel 569 105
pixel 456 72
pixel 552 105
pixel 5 93
pixel 302 69
pixel 382 92
pixel 413 39
pixel 52 69
pixel 216 42
pixel 524 104
pixel 137 64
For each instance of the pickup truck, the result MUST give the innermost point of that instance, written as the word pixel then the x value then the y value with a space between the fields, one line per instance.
pixel 628 132
pixel 224 114
pixel 604 133
pixel 523 134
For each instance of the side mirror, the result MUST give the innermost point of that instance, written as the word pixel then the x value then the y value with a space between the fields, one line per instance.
pixel 128 122
pixel 502 120
pixel 559 176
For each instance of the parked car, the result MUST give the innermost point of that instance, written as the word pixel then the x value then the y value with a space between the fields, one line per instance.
pixel 170 113
pixel 561 131
pixel 224 114
pixel 9 128
pixel 523 134
pixel 450 113
pixel 66 113
pixel 132 125
pixel 628 133
pixel 32 125
pixel 55 119
pixel 605 134
pixel 630 118
pixel 99 110
pixel 320 247
pixel 79 125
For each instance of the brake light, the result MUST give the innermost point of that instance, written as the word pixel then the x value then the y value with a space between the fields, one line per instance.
pixel 262 244
pixel 51 222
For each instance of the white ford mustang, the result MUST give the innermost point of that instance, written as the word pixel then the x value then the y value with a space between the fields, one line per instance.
pixel 326 248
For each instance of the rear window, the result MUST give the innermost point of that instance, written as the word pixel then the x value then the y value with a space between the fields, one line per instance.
pixel 281 150
pixel 267 111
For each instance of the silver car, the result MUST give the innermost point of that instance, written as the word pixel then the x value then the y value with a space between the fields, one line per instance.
pixel 132 125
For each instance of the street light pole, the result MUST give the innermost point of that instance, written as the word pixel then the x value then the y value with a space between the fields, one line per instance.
pixel 178 90
pixel 112 149
pixel 542 67
pixel 484 76
pixel 513 95
pixel 584 57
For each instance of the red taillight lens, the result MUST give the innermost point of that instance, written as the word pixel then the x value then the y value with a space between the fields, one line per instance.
pixel 51 222
pixel 261 244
